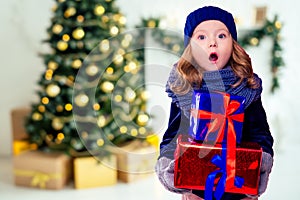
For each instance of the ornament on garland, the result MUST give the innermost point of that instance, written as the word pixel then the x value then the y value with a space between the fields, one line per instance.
pixel 174 42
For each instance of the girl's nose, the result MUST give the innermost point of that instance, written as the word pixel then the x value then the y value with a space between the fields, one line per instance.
pixel 212 43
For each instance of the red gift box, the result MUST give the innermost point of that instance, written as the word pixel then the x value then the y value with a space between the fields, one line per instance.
pixel 193 165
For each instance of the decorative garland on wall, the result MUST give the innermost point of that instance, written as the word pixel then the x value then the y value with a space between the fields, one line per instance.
pixel 252 38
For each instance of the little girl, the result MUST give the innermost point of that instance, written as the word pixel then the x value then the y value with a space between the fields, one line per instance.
pixel 213 61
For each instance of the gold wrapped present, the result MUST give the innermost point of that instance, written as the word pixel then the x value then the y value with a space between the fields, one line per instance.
pixel 136 160
pixel 18 116
pixel 92 172
pixel 20 146
pixel 42 170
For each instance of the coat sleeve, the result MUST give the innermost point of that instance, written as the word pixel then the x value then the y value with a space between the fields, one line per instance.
pixel 178 123
pixel 256 127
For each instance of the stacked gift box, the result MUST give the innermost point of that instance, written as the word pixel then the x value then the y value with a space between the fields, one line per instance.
pixel 42 170
pixel 20 139
pixel 130 162
pixel 136 160
pixel 211 157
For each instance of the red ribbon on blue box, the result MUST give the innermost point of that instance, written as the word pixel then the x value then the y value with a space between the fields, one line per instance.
pixel 214 114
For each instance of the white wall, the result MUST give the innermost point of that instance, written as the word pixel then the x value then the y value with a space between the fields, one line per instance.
pixel 24 25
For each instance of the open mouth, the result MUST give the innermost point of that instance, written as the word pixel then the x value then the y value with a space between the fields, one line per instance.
pixel 213 57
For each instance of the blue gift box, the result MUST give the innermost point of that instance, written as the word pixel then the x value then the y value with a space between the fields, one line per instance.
pixel 213 114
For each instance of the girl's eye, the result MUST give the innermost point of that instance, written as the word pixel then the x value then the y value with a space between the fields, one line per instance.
pixel 222 35
pixel 201 37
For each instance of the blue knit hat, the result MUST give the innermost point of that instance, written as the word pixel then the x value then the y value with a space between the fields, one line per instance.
pixel 208 13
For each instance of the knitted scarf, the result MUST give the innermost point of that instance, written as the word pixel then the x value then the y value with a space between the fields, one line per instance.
pixel 220 80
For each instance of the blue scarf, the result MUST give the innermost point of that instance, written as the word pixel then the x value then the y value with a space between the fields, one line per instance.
pixel 220 80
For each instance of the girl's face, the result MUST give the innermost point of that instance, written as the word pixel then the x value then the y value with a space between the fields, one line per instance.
pixel 211 45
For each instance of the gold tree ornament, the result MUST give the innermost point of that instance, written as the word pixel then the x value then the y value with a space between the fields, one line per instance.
pixel 104 46
pixel 118 98
pixel 254 41
pixel 142 130
pixel 57 28
pixel 99 10
pixel 80 18
pixel 45 100
pixel 110 70
pixel 145 95
pixel 80 45
pixel 122 20
pixel 81 100
pixel 100 142
pixel 278 25
pixel 57 123
pixel 107 87
pixel 92 70
pixel 134 132
pixel 142 119
pixel 84 134
pixel 96 106
pixel 110 136
pixel 66 37
pixel 176 48
pixel 130 95
pixel 59 108
pixel 105 19
pixel 114 31
pixel 52 65
pixel 151 24
pixel 118 59
pixel 52 90
pixel 78 33
pixel 123 129
pixel 41 108
pixel 76 64
pixel 101 121
pixel 60 136
pixel 70 12
pixel 62 45
pixel 68 107
pixel 36 116
pixel 48 74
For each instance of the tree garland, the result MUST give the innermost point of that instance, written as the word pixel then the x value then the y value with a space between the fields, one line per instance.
pixel 269 29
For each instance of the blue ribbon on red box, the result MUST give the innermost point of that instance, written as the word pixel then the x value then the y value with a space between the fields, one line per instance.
pixel 220 162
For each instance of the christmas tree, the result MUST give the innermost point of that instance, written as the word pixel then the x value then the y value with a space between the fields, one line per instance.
pixel 92 91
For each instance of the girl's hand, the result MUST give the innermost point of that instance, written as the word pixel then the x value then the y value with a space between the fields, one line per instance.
pixel 265 170
pixel 164 169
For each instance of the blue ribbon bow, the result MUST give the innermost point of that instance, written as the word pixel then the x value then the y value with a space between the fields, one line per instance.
pixel 219 161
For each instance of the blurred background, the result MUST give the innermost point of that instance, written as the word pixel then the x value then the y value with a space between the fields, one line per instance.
pixel 24 24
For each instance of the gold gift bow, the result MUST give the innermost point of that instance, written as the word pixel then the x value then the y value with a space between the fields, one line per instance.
pixel 38 178
pixel 20 146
